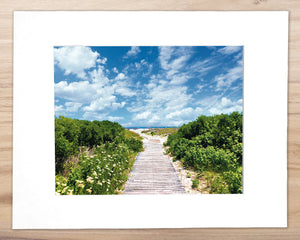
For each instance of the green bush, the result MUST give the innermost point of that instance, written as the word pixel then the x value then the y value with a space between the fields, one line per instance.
pixel 134 144
pixel 71 134
pixel 101 173
pixel 210 159
pixel 212 144
pixel 218 185
pixel 195 183
pixel 105 153
pixel 104 172
pixel 234 180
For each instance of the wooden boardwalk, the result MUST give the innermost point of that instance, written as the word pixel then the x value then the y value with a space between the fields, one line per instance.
pixel 153 172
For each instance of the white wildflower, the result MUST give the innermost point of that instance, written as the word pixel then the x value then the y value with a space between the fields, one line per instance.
pixel 89 191
pixel 63 191
pixel 90 179
pixel 70 192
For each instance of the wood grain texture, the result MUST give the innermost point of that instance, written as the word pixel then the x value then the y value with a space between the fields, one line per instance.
pixel 6 43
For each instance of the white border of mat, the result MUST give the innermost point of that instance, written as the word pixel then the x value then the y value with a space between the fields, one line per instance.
pixel 264 36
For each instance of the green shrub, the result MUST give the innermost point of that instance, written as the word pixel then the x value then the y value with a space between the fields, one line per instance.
pixel 105 172
pixel 212 144
pixel 195 183
pixel 134 144
pixel 234 180
pixel 218 185
pixel 105 156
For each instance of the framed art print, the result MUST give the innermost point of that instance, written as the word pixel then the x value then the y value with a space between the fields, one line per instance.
pixel 150 119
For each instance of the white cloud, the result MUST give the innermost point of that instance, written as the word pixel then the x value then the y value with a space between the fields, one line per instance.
pixel 59 110
pixel 239 56
pixel 211 47
pixel 69 107
pixel 161 100
pixel 185 114
pixel 177 64
pixel 166 97
pixel 129 124
pixel 159 93
pixel 154 119
pixel 143 115
pixel 96 96
pixel 229 50
pixel 125 91
pixel 133 51
pixel 115 70
pixel 75 59
pixel 138 69
pixel 150 67
pixel 82 92
pixel 179 79
pixel 72 106
pixel 100 116
pixel 120 76
pixel 122 87
pixel 94 116
pixel 173 59
pixel 113 119
pixel 227 106
pixel 143 62
pixel 169 97
pixel 117 105
pixel 152 84
pixel 233 74
pixel 209 101
pixel 101 103
pixel 102 61
pixel 199 87
pixel 165 54
pixel 105 100
pixel 202 67
pixel 99 76
pixel 138 65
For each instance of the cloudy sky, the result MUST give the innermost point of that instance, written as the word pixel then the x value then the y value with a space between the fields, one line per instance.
pixel 147 86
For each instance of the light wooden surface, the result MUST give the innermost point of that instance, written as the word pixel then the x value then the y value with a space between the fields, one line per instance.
pixel 6 43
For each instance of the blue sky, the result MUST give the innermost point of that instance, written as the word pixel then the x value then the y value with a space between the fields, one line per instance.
pixel 147 86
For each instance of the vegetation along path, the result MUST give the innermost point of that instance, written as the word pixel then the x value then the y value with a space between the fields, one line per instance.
pixel 153 172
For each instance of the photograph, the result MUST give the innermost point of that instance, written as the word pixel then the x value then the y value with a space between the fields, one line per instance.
pixel 142 120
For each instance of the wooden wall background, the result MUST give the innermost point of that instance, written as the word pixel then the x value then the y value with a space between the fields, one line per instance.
pixel 6 99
